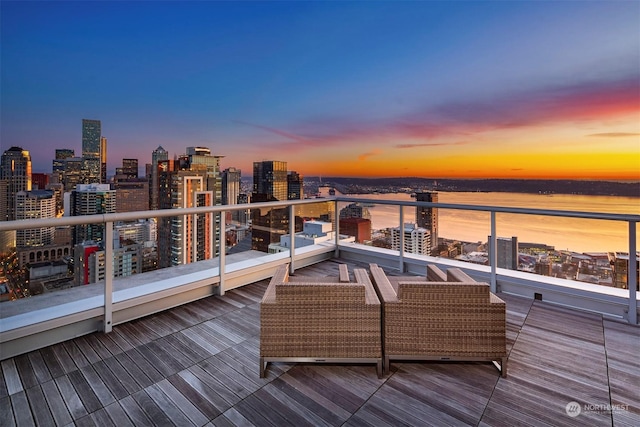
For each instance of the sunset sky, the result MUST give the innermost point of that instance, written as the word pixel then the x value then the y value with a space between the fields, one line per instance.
pixel 540 89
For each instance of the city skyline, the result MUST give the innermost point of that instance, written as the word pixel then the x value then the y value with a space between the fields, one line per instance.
pixel 437 89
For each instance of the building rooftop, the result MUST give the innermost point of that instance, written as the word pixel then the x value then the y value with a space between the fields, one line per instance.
pixel 197 364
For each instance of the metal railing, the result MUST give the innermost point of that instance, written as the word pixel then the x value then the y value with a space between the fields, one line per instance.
pixel 108 221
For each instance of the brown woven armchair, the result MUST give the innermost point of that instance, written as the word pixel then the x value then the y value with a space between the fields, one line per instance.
pixel 445 320
pixel 324 319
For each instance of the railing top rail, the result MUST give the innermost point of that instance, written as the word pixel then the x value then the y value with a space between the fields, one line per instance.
pixel 486 208
pixel 132 216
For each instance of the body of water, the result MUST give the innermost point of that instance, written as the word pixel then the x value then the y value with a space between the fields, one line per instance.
pixel 580 235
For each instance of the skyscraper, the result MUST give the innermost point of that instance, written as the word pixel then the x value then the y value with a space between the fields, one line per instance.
pixel 295 186
pixel 15 173
pixel 91 199
pixel 158 155
pixel 35 204
pixel 192 180
pixel 427 217
pixel 270 180
pixel 59 163
pixel 103 160
pixel 270 183
pixel 15 176
pixel 91 149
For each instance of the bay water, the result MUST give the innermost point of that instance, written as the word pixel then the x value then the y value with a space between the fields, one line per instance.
pixel 579 235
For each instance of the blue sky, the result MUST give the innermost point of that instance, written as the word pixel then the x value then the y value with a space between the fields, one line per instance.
pixel 344 88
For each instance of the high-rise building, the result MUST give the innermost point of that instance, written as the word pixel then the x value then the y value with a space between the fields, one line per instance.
pixel 269 184
pixel 59 164
pixel 15 176
pixel 158 155
pixel 132 193
pixel 103 159
pixel 231 186
pixel 91 149
pixel 427 217
pixel 192 180
pixel 231 192
pixel 75 172
pixel 91 199
pixel 15 172
pixel 295 186
pixel 270 180
pixel 417 240
pixel 35 204
pixel 507 252
pixel 129 169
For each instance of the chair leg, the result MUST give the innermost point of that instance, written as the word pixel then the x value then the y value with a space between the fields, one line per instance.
pixel 263 366
pixel 503 367
pixel 379 368
pixel 386 364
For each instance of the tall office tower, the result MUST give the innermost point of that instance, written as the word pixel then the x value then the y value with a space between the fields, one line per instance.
pixel 35 204
pixel 131 194
pixel 231 191
pixel 59 164
pixel 74 173
pixel 417 240
pixel 158 155
pixel 191 238
pixel 427 217
pixel 91 199
pixel 202 156
pixel 103 159
pixel 507 252
pixel 269 184
pixel 129 168
pixel 295 186
pixel 58 192
pixel 91 153
pixel 15 176
pixel 15 171
pixel 231 186
pixel 270 180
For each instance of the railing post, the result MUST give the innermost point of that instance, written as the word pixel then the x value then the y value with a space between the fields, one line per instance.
pixel 632 274
pixel 223 252
pixel 108 277
pixel 194 238
pixel 292 233
pixel 493 255
pixel 401 230
pixel 336 215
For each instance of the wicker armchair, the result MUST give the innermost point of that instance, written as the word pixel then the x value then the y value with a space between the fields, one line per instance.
pixel 425 320
pixel 324 319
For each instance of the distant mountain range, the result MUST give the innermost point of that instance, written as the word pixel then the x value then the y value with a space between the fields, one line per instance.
pixel 545 186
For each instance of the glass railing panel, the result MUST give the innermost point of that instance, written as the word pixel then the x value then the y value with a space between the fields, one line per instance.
pixel 267 228
pixel 584 250
pixel 314 225
pixel 463 235
pixel 382 219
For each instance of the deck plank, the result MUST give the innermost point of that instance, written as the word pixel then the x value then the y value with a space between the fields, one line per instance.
pixel 197 364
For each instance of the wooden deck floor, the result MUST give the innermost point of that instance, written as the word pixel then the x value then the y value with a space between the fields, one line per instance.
pixel 198 365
